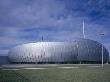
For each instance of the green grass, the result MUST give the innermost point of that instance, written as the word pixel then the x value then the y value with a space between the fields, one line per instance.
pixel 12 76
pixel 82 74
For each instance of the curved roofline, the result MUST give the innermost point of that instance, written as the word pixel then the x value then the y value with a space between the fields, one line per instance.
pixel 59 42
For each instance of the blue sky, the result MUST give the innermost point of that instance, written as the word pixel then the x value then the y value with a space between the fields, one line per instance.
pixel 25 21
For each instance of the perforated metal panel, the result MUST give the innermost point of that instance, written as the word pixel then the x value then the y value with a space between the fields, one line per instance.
pixel 78 50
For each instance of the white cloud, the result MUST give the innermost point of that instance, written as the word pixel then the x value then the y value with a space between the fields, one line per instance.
pixel 20 16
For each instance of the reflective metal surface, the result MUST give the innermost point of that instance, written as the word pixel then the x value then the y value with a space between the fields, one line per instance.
pixel 78 50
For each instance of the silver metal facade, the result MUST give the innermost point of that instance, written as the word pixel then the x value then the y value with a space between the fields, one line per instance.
pixel 78 50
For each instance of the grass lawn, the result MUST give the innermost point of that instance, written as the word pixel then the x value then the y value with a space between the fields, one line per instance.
pixel 81 74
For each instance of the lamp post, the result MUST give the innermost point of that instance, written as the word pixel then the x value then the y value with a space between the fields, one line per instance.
pixel 77 47
pixel 102 50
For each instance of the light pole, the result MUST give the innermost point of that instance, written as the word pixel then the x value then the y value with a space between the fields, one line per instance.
pixel 77 47
pixel 102 49
pixel 102 55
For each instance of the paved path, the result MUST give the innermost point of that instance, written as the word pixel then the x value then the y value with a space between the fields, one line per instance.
pixel 49 66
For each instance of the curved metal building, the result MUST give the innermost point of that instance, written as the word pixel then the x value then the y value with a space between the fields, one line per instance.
pixel 80 50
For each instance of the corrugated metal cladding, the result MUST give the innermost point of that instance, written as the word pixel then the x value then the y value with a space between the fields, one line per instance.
pixel 80 50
